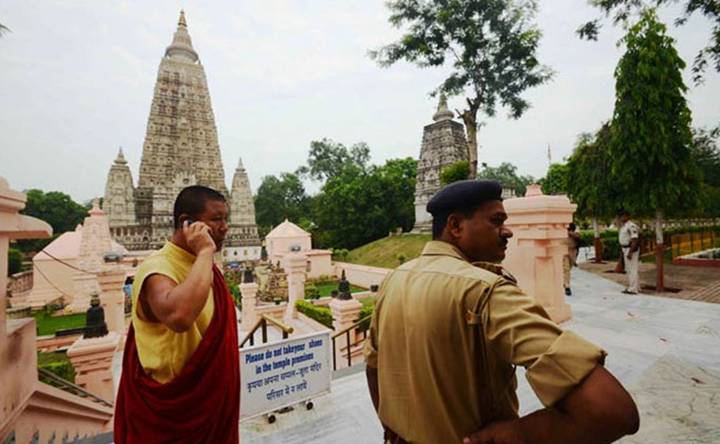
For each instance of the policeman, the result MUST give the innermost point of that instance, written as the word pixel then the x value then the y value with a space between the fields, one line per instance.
pixel 629 239
pixel 449 328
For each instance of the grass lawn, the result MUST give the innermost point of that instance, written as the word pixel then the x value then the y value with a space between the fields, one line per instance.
pixel 48 325
pixel 386 252
pixel 325 289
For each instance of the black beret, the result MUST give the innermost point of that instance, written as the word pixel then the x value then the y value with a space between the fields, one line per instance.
pixel 464 195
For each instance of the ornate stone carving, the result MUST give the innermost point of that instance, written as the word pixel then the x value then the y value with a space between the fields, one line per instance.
pixel 443 143
pixel 181 148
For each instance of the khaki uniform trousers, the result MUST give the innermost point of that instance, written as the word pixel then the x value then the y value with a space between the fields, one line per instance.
pixel 632 268
pixel 569 261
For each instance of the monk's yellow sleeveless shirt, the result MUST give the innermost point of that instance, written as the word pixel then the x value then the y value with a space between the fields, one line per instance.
pixel 163 352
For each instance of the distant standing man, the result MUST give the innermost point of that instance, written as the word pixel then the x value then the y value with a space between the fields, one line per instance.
pixel 629 239
pixel 449 328
pixel 570 259
pixel 181 373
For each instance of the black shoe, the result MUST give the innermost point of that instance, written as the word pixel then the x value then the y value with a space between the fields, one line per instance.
pixel 626 291
pixel 567 291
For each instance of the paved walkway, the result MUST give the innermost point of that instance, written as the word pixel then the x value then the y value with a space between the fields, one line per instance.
pixel 665 351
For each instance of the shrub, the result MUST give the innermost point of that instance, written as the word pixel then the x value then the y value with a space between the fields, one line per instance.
pixel 340 254
pixel 321 314
pixel 611 245
pixel 58 364
pixel 454 172
pixel 367 310
pixel 312 292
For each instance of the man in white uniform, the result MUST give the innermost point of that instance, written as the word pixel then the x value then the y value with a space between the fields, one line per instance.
pixel 629 238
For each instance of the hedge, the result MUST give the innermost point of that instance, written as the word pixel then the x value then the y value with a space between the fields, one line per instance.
pixel 312 292
pixel 58 364
pixel 366 310
pixel 321 314
pixel 611 245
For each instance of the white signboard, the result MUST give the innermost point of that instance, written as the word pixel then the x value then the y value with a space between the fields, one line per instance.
pixel 283 373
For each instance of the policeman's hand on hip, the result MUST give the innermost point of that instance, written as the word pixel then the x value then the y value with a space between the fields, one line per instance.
pixel 502 432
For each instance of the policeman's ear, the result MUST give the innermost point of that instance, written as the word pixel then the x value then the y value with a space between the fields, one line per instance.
pixel 455 224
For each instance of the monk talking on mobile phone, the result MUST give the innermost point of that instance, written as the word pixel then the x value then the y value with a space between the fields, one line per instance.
pixel 180 378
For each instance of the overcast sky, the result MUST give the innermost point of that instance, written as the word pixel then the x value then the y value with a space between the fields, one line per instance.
pixel 77 78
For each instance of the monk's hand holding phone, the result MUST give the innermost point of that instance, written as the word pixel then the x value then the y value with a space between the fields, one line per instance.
pixel 197 235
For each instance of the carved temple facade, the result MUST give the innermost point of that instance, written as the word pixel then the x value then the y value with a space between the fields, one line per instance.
pixel 443 144
pixel 181 149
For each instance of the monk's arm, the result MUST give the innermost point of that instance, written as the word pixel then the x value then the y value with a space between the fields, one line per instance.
pixel 597 411
pixel 178 305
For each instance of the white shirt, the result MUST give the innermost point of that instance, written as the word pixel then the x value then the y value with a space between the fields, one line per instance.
pixel 627 233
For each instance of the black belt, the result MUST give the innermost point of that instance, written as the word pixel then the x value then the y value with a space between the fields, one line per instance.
pixel 625 246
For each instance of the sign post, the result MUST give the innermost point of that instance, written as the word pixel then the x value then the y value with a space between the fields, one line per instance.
pixel 278 375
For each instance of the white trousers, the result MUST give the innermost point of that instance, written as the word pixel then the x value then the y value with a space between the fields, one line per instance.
pixel 632 268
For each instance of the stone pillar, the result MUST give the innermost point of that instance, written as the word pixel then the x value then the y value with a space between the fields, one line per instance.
pixel 345 313
pixel 249 301
pixel 18 355
pixel 295 264
pixel 535 252
pixel 112 297
pixel 92 359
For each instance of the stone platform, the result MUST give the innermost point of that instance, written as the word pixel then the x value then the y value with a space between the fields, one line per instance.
pixel 665 351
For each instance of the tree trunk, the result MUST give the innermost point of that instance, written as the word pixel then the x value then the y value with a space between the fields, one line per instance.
pixel 469 117
pixel 597 241
pixel 620 266
pixel 659 249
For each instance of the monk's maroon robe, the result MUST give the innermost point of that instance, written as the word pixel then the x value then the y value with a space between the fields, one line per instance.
pixel 202 404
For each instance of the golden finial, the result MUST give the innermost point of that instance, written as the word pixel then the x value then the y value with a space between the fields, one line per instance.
pixel 182 21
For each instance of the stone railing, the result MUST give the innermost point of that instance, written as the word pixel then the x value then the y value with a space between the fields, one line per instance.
pixel 20 282
pixel 362 275
pixel 53 414
pixel 47 344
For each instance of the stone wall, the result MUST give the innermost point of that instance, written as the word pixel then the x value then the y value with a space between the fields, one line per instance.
pixel 362 275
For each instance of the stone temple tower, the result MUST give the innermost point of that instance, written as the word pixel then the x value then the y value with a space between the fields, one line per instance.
pixel 119 200
pixel 181 148
pixel 443 143
pixel 242 239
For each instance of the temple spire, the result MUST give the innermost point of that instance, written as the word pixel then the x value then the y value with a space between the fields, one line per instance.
pixel 240 164
pixel 443 113
pixel 181 46
pixel 120 159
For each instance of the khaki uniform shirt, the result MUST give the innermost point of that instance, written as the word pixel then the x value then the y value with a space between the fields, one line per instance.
pixel 445 337
pixel 627 233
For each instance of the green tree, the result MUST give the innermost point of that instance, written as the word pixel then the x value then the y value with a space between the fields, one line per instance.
pixel 506 174
pixel 455 172
pixel 650 149
pixel 328 158
pixel 490 44
pixel 14 261
pixel 706 153
pixel 56 208
pixel 280 198
pixel 555 181
pixel 358 206
pixel 623 10
pixel 588 181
